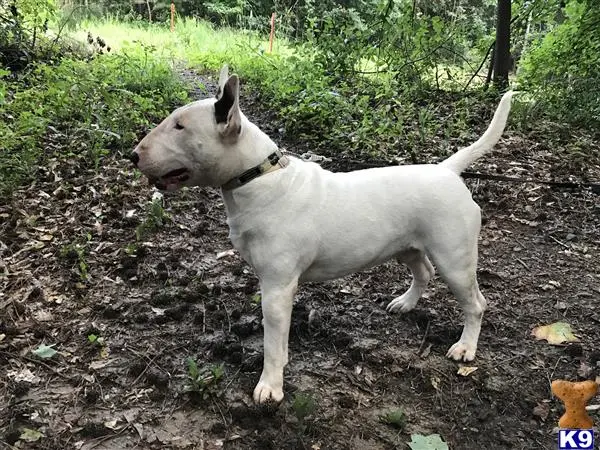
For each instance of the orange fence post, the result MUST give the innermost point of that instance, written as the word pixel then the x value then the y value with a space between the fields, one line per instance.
pixel 172 17
pixel 272 32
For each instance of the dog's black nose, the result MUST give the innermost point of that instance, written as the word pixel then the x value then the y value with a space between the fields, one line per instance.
pixel 134 158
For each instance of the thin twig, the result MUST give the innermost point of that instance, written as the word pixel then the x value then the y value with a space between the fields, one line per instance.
pixel 480 65
pixel 559 242
pixel 105 438
pixel 523 264
pixel 424 337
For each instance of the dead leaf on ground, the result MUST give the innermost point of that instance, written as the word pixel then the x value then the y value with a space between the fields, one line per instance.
pixel 23 375
pixel 556 333
pixel 30 435
pixel 542 410
pixel 465 371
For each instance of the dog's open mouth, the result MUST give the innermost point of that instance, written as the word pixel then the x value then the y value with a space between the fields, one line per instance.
pixel 172 180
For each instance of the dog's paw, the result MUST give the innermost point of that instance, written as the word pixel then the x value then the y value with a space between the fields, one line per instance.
pixel 462 351
pixel 403 304
pixel 264 393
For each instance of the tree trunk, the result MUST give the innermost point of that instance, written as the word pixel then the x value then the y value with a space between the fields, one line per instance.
pixel 502 50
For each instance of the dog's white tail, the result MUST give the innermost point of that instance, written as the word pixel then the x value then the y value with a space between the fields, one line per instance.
pixel 466 156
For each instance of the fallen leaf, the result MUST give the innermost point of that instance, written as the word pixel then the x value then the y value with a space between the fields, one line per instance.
pixel 465 371
pixel 585 370
pixel 542 410
pixel 531 223
pixel 23 375
pixel 561 306
pixel 104 352
pixel 43 316
pixel 425 353
pixel 37 245
pixel 30 435
pixel 158 311
pixel 96 365
pixel 44 351
pixel 555 334
pixel 431 442
pixel 140 429
pixel 46 237
pixel 2 336
pixel 225 253
pixel 112 424
pixel 435 382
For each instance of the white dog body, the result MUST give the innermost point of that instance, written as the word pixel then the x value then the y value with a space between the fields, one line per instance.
pixel 303 223
pixel 327 225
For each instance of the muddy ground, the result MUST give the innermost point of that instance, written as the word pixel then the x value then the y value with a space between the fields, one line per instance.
pixel 124 313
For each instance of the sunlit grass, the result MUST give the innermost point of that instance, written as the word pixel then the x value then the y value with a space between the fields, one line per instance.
pixel 195 42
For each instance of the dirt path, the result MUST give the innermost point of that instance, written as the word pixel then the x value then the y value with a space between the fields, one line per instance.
pixel 124 315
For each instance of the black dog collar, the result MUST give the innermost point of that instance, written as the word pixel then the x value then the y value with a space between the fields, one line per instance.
pixel 274 161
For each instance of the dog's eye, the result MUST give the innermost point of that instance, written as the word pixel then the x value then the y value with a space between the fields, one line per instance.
pixel 178 126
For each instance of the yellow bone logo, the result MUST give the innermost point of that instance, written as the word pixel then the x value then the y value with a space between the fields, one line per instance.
pixel 575 395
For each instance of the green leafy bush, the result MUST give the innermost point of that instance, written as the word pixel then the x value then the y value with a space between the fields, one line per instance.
pixel 89 107
pixel 561 68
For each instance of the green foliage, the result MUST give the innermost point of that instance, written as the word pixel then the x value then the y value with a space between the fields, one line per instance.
pixel 44 351
pixel 23 25
pixel 36 12
pixel 395 418
pixel 203 380
pixel 303 405
pixel 156 217
pixel 561 68
pixel 430 442
pixel 75 254
pixel 87 108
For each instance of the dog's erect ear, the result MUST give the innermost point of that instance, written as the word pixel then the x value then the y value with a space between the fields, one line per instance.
pixel 223 76
pixel 227 109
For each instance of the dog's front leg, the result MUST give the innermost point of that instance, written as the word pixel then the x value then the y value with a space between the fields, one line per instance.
pixel 277 301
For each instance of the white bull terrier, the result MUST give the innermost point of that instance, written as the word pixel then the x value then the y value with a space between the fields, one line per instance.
pixel 293 221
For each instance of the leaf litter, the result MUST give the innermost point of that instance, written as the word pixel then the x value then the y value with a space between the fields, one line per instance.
pixel 94 277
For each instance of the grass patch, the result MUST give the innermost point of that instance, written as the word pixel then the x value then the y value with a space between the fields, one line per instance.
pixel 364 115
pixel 80 108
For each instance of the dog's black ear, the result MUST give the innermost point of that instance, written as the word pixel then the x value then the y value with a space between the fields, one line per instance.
pixel 227 109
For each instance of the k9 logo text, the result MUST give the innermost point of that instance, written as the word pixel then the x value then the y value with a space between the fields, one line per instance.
pixel 575 439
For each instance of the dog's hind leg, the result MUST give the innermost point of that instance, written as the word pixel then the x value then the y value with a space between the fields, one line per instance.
pixel 422 272
pixel 461 276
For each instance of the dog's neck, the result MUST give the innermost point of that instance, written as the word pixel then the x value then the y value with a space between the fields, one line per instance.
pixel 251 149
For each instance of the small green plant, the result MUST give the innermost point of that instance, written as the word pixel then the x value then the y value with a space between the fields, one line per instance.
pixel 203 380
pixel 131 249
pixel 303 405
pixel 155 219
pixel 96 340
pixel 256 299
pixel 395 418
pixel 76 253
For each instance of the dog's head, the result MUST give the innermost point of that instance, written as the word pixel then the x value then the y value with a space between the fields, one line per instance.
pixel 196 145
